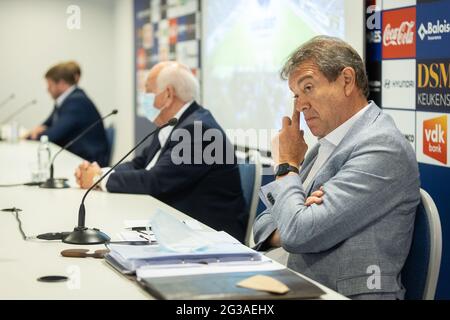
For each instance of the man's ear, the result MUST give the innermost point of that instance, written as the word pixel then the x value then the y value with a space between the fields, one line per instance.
pixel 171 92
pixel 349 76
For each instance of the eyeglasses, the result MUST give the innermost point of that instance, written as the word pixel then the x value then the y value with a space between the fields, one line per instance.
pixel 84 253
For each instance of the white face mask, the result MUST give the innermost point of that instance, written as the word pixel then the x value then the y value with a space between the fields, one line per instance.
pixel 148 104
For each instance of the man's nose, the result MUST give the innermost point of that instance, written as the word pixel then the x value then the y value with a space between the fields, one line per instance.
pixel 301 105
pixel 148 89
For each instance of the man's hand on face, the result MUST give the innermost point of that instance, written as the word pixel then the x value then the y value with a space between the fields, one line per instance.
pixel 289 145
pixel 85 174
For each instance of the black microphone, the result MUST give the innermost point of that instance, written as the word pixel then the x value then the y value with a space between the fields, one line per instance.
pixel 21 109
pixel 61 183
pixel 84 236
pixel 5 102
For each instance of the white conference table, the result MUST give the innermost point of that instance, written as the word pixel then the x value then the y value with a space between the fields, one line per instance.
pixel 23 262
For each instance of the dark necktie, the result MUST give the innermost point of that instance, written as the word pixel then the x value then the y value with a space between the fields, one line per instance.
pixel 155 146
pixel 55 114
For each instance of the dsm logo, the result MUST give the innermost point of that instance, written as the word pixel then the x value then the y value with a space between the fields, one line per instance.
pixel 435 138
pixel 433 85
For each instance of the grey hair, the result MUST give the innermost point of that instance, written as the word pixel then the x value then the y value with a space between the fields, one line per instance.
pixel 331 55
pixel 181 78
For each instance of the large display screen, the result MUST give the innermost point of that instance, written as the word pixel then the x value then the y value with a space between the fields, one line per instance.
pixel 245 44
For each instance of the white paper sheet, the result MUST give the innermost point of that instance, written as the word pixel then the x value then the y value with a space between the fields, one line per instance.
pixel 158 271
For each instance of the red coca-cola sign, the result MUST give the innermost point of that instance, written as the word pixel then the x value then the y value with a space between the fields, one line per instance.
pixel 399 33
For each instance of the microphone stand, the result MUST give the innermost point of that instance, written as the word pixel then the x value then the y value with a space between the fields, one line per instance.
pixel 23 108
pixel 5 102
pixel 61 183
pixel 12 116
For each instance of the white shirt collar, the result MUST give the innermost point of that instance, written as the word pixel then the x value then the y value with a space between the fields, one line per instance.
pixel 165 132
pixel 64 95
pixel 335 137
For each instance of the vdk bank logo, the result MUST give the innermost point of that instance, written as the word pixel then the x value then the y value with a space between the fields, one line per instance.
pixel 435 138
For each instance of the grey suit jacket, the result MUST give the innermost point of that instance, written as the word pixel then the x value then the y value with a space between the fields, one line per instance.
pixel 358 239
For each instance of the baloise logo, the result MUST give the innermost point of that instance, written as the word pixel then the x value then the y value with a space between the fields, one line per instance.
pixel 433 31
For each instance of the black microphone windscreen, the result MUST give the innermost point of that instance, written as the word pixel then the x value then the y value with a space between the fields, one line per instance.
pixel 115 111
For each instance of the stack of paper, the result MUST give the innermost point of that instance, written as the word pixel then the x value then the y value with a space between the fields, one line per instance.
pixel 130 258
pixel 177 244
pixel 187 262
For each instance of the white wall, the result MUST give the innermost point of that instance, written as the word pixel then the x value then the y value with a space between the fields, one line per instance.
pixel 34 36
pixel 124 77
pixel 354 25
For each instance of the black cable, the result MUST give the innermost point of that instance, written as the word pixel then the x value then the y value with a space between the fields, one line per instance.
pixel 11 210
pixel 11 185
pixel 15 212
pixel 24 236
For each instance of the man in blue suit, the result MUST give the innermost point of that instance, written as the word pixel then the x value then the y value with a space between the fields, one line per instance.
pixel 208 191
pixel 73 113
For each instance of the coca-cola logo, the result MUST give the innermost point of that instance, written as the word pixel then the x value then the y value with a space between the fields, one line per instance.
pixel 399 33
pixel 403 35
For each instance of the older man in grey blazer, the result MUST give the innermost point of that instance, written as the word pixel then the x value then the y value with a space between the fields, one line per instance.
pixel 345 215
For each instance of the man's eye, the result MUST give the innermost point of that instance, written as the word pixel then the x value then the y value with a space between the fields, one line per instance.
pixel 307 88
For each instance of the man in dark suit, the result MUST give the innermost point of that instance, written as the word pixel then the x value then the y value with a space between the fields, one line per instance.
pixel 73 112
pixel 174 168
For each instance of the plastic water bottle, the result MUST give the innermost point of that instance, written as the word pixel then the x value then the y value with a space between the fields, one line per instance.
pixel 14 137
pixel 44 155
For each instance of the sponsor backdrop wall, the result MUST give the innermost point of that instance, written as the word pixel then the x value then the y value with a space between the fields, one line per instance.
pixel 408 62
